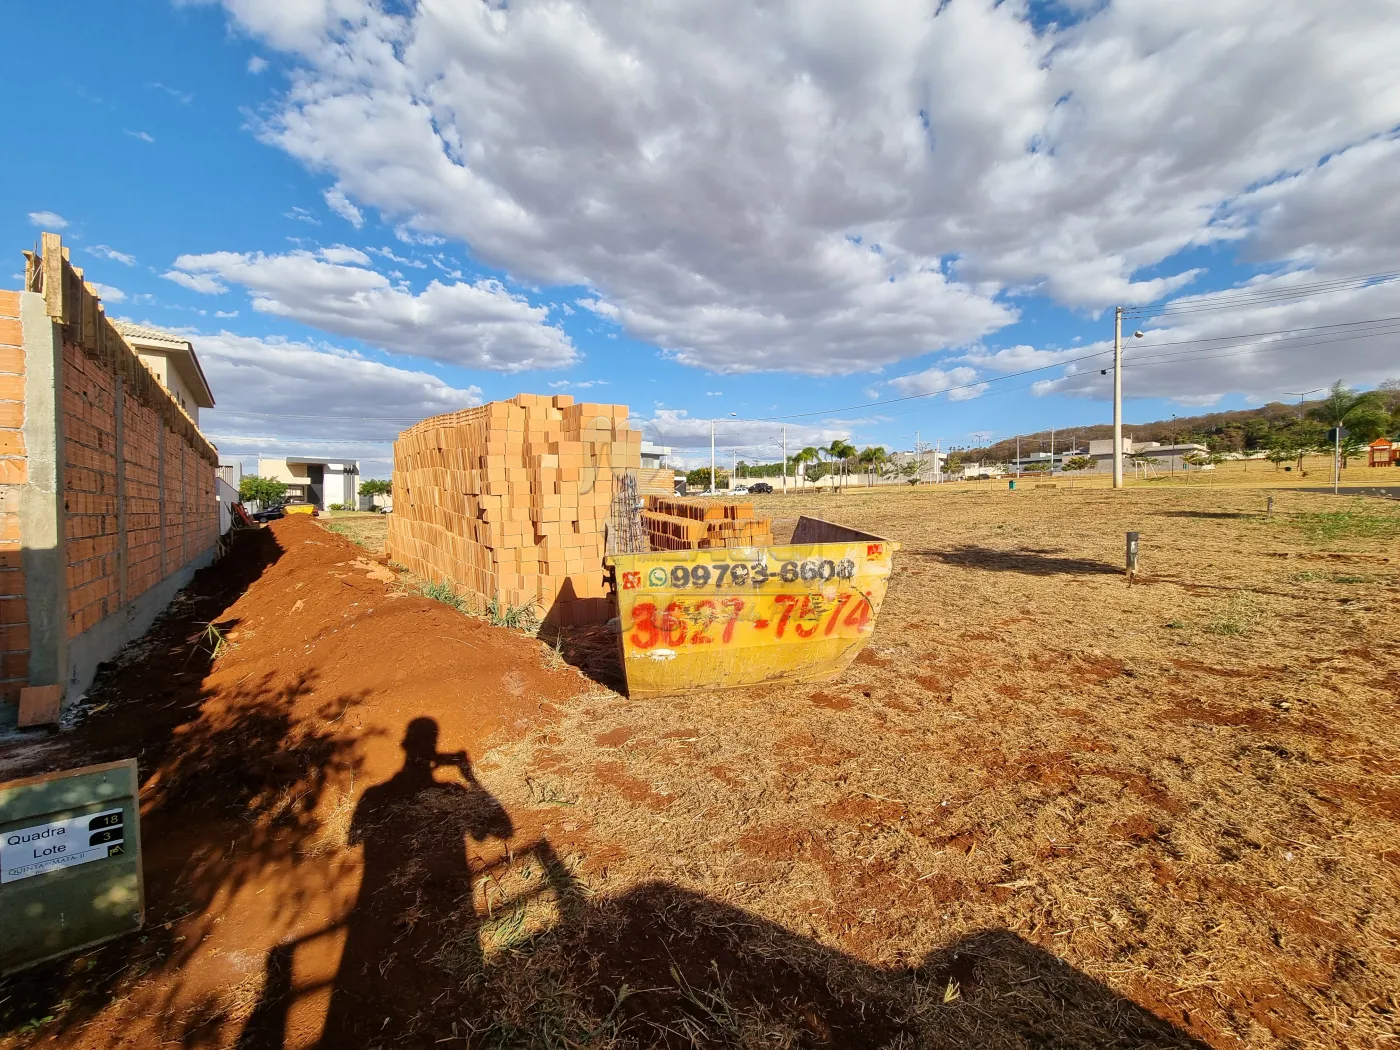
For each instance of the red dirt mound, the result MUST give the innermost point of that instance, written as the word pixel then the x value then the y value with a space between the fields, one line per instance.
pixel 255 751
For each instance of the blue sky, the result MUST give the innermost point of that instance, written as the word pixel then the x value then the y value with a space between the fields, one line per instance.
pixel 363 219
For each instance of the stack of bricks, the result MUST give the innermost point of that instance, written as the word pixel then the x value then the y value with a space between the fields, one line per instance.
pixel 509 502
pixel 14 612
pixel 696 524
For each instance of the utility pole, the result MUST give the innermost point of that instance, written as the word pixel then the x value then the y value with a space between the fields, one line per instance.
pixel 785 459
pixel 1118 397
pixel 1336 457
pixel 1052 452
pixel 713 486
pixel 714 478
pixel 1305 393
pixel 1018 455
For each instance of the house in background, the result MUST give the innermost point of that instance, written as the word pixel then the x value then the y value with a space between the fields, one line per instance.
pixel 172 359
pixel 231 471
pixel 319 482
pixel 1162 457
pixel 654 456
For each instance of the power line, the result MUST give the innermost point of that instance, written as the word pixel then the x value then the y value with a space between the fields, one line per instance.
pixel 1260 296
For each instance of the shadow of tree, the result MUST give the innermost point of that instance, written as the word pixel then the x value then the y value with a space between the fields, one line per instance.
pixel 1027 560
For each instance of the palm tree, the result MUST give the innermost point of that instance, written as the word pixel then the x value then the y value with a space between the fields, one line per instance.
pixel 840 451
pixel 873 458
pixel 807 455
pixel 1363 413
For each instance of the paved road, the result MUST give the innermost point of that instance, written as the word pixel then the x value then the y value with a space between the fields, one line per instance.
pixel 1385 491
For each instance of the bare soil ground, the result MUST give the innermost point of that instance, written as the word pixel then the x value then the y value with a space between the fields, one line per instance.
pixel 1044 808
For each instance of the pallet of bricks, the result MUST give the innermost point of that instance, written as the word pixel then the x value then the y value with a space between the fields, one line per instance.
pixel 508 502
pixel 674 524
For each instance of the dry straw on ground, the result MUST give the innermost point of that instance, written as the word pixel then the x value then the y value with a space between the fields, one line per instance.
pixel 1188 789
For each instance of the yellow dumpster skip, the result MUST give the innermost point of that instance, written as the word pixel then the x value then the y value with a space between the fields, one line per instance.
pixel 727 617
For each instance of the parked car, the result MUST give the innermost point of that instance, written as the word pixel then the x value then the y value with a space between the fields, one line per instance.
pixel 271 513
pixel 760 488
pixel 739 490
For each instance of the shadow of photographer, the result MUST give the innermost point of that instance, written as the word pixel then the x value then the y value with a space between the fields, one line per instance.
pixel 656 965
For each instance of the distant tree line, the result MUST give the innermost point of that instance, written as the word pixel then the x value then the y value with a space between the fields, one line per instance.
pixel 1274 428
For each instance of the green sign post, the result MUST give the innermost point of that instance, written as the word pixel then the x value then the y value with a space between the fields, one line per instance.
pixel 70 862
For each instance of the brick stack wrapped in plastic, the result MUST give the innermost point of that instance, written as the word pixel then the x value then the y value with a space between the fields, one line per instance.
pixel 696 524
pixel 508 502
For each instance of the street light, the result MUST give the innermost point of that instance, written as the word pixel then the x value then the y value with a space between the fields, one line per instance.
pixel 1118 395
pixel 714 481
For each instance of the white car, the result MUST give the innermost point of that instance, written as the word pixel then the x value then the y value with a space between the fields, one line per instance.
pixel 742 490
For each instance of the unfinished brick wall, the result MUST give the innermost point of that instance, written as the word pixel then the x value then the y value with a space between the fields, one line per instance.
pixel 159 490
pixel 14 625
pixel 131 488
pixel 509 501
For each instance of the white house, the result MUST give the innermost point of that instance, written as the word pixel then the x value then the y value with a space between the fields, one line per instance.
pixel 314 480
pixel 172 359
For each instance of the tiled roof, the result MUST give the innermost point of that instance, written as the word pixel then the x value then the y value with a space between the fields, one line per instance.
pixel 155 335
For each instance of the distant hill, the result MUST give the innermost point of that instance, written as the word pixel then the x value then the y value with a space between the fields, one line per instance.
pixel 1245 429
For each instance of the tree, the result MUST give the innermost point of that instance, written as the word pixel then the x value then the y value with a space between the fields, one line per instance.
pixel 799 459
pixel 1077 463
pixel 1344 406
pixel 700 479
pixel 873 459
pixel 1038 467
pixel 263 491
pixel 909 471
pixel 1279 453
pixel 839 452
pixel 376 487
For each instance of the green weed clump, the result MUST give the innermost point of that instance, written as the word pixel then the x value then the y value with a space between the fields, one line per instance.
pixel 516 617
pixel 443 591
pixel 1354 523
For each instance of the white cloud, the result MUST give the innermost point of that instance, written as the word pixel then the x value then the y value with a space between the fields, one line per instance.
pixel 751 438
pixel 225 313
pixel 279 395
pixel 387 253
pixel 831 188
pixel 1259 350
pixel 257 65
pixel 482 324
pixel 340 204
pixel 569 384
pixel 144 136
pixel 202 283
pixel 185 98
pixel 104 252
pixel 107 293
pixel 934 381
pixel 301 215
pixel 343 255
pixel 50 219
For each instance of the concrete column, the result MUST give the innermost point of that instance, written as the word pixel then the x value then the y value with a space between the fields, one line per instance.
pixel 41 497
pixel 120 433
pixel 160 491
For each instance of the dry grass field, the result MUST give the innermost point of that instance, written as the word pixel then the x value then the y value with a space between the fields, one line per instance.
pixel 1044 808
pixel 1188 789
